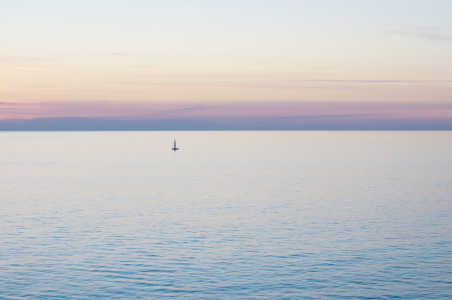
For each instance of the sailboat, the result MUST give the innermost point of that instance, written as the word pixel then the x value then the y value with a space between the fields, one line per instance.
pixel 175 146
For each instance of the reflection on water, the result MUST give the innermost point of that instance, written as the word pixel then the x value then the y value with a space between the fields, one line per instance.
pixel 272 215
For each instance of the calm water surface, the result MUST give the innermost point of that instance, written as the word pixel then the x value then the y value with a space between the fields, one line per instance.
pixel 231 215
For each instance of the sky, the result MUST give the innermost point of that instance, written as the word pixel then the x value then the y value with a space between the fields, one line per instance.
pixel 211 60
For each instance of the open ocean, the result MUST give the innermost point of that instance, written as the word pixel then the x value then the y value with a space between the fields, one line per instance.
pixel 231 215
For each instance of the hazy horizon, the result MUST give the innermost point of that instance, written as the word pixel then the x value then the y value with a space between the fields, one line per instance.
pixel 105 115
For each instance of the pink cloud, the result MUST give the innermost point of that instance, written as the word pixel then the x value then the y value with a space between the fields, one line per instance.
pixel 223 111
pixel 422 32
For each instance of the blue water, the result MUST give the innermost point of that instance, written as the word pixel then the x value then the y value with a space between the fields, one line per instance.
pixel 231 215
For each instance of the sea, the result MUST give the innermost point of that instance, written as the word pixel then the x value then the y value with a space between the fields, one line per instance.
pixel 230 215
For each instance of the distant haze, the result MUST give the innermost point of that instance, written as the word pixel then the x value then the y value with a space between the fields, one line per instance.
pixel 226 116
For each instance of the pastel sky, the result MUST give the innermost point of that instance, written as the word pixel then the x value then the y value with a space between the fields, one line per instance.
pixel 182 54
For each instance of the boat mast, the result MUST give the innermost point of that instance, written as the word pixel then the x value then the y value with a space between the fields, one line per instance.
pixel 175 146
